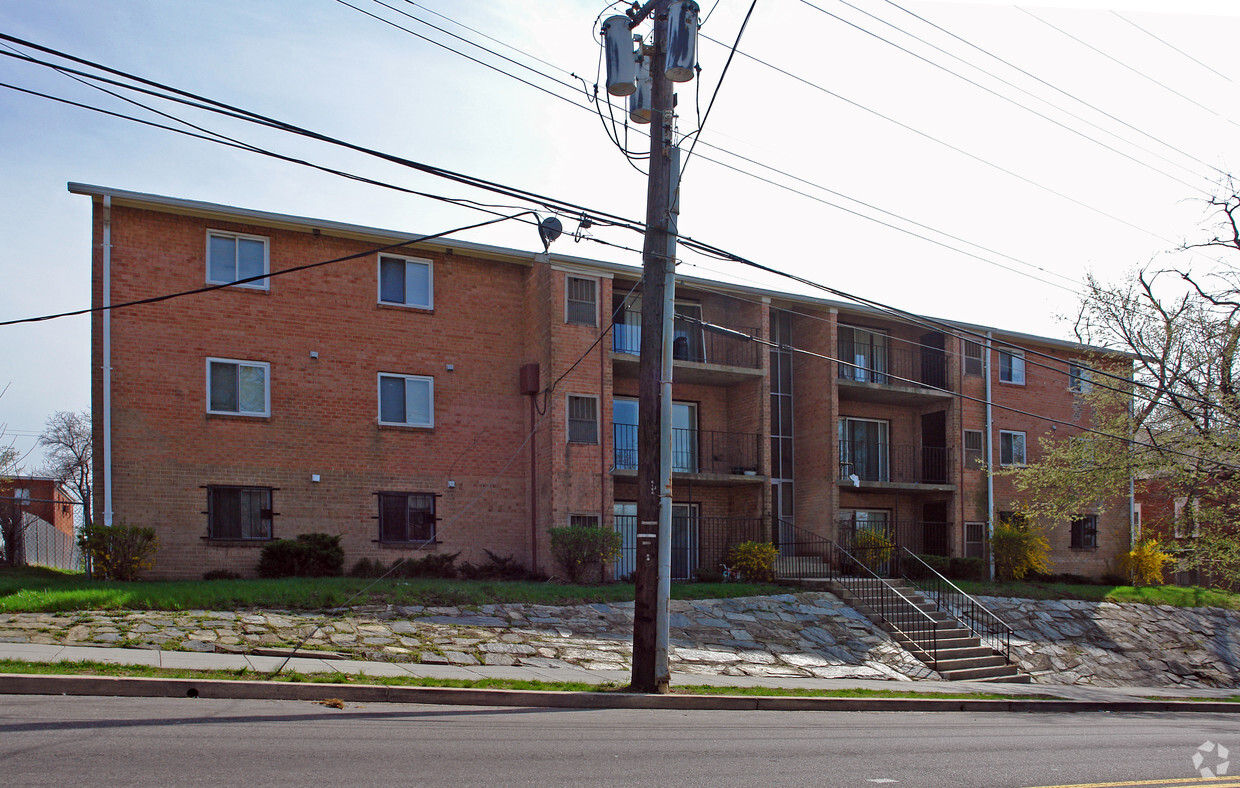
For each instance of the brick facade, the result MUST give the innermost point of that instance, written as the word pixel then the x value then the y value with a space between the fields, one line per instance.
pixel 498 461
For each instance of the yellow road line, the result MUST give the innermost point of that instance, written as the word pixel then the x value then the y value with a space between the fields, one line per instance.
pixel 1211 782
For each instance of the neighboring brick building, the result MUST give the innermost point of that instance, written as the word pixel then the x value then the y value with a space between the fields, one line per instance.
pixel 453 396
pixel 42 497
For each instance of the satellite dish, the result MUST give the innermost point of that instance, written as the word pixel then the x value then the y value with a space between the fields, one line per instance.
pixel 548 230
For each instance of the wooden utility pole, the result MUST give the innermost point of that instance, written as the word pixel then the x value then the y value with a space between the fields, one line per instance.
pixel 648 674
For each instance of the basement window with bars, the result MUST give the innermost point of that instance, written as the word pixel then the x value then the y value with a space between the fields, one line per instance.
pixel 580 301
pixel 240 513
pixel 406 517
pixel 583 521
pixel 1085 532
pixel 582 419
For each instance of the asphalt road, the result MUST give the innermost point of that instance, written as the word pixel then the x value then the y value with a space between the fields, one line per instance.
pixel 159 741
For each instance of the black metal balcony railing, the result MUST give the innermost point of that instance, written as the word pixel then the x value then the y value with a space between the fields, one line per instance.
pixel 919 536
pixel 881 363
pixel 698 543
pixel 692 342
pixel 888 462
pixel 694 451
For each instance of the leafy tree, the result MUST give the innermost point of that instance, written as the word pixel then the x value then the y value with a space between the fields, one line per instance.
pixel 67 439
pixel 1178 333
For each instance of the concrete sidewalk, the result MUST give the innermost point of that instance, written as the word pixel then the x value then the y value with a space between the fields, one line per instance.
pixel 1079 697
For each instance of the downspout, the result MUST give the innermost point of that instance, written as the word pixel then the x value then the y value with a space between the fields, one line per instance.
pixel 533 485
pixel 107 360
pixel 990 466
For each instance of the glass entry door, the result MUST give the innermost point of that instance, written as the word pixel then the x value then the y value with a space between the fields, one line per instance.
pixel 864 450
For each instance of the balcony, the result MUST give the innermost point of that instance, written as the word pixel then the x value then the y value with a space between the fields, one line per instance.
pixel 700 354
pixel 697 542
pixel 881 373
pixel 894 466
pixel 701 456
pixel 923 538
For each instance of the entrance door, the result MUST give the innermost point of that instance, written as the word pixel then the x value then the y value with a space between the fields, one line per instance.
pixel 624 433
pixel 934 447
pixel 684 435
pixel 864 450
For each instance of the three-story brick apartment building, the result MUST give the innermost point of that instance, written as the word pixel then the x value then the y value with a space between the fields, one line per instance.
pixel 449 396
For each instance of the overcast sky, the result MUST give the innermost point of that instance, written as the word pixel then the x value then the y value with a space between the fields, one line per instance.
pixel 851 143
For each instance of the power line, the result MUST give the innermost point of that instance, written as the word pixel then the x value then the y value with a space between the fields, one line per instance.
pixel 1056 88
pixel 1119 62
pixel 1171 46
pixel 1002 97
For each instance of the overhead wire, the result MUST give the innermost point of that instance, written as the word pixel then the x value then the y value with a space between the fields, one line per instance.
pixel 1007 99
pixel 1171 46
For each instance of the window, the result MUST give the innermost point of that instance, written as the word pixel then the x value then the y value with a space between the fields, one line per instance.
pixel 972 358
pixel 405 281
pixel 239 512
pixel 232 257
pixel 406 517
pixel 973 450
pixel 1018 519
pixel 864 450
pixel 1079 378
pixel 583 521
pixel 974 540
pixel 1085 531
pixel 864 355
pixel 238 387
pixel 1011 367
pixel 407 400
pixel 1186 514
pixel 1011 448
pixel 684 435
pixel 582 419
pixel 581 301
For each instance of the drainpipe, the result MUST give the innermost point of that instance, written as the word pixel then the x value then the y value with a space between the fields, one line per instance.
pixel 990 465
pixel 107 360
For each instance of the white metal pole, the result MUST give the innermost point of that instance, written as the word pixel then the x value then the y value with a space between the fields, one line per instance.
pixel 107 360
pixel 990 465
pixel 662 669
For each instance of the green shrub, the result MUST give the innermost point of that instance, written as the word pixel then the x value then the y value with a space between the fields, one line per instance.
pixel 221 574
pixel 706 574
pixel 871 548
pixel 584 551
pixel 754 560
pixel 307 555
pixel 118 552
pixel 367 567
pixel 497 568
pixel 1019 550
pixel 441 565
pixel 1144 563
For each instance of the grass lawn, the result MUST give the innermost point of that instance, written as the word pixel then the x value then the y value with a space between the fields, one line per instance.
pixel 34 589
pixel 1177 596
pixel 106 669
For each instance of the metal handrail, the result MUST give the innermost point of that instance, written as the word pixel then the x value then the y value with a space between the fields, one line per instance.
pixel 965 609
pixel 811 551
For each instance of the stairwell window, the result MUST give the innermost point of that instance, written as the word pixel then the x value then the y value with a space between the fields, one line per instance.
pixel 240 513
pixel 582 419
pixel 1012 367
pixel 1011 448
pixel 406 281
pixel 580 301
pixel 232 257
pixel 406 400
pixel 238 388
pixel 1085 531
pixel 974 457
pixel 1079 378
pixel 972 357
pixel 406 517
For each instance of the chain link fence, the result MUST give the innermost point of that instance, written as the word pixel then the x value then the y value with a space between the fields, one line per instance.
pixel 37 532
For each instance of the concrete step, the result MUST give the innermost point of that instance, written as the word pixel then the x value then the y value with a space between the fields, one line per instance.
pixel 995 673
pixel 951 664
pixel 964 652
pixel 1018 678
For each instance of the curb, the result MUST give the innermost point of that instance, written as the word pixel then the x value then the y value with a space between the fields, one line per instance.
pixel 141 687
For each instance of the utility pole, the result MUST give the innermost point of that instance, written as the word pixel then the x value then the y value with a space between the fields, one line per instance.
pixel 675 30
pixel 656 267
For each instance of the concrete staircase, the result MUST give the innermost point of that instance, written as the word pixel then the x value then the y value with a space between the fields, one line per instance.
pixel 955 653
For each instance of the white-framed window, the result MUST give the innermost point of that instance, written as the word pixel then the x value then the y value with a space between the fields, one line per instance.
pixel 1011 447
pixel 406 281
pixel 580 300
pixel 582 418
pixel 406 400
pixel 1079 378
pixel 1012 366
pixel 1186 523
pixel 1136 519
pixel 232 257
pixel 238 388
pixel 974 449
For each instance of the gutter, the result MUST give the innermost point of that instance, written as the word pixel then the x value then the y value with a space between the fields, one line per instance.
pixel 107 360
